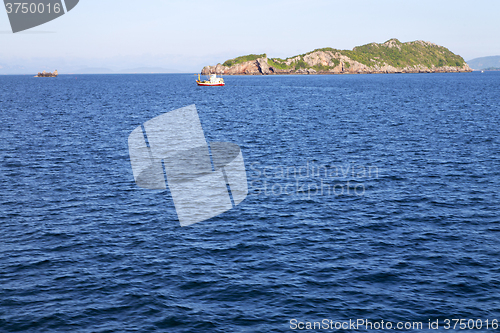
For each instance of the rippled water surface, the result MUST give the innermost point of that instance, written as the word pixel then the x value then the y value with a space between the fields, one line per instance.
pixel 370 196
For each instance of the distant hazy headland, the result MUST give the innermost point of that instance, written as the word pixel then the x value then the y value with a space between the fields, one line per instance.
pixel 485 63
pixel 392 56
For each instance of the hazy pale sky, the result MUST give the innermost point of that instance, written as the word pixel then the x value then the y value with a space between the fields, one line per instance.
pixel 186 35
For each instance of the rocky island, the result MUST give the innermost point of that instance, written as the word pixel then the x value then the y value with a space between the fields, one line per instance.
pixel 45 74
pixel 392 56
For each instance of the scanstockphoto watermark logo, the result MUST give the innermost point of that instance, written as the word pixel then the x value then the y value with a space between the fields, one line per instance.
pixel 205 180
pixel 25 15
pixel 311 179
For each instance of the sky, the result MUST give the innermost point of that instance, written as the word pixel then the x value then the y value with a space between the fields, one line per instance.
pixel 186 35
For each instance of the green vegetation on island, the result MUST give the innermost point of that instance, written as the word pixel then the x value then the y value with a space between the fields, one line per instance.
pixel 242 59
pixel 393 53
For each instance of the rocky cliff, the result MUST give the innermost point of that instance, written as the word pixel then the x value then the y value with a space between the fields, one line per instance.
pixel 389 57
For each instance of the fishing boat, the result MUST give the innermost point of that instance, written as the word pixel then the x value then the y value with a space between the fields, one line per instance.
pixel 212 81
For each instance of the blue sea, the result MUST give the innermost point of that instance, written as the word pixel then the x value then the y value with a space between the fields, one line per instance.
pixel 371 197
